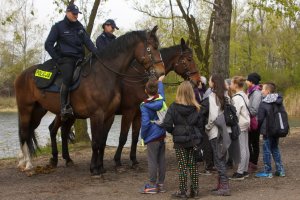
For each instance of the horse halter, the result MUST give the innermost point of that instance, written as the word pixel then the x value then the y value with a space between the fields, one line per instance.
pixel 186 67
pixel 151 70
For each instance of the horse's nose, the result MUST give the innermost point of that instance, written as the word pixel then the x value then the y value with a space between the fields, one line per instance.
pixel 160 69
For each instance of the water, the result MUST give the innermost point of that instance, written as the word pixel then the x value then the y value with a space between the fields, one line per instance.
pixel 9 139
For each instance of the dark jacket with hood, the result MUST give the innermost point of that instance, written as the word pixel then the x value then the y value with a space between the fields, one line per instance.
pixel 184 123
pixel 70 38
pixel 104 39
pixel 265 109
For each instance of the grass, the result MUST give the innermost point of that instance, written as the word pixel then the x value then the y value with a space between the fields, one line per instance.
pixel 47 150
pixel 292 101
pixel 8 104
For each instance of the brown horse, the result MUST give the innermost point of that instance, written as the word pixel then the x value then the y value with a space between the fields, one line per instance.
pixel 97 97
pixel 178 58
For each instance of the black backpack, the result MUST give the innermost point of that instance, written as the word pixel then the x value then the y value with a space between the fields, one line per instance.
pixel 277 121
pixel 231 118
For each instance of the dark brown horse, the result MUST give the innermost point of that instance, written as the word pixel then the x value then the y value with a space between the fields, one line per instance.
pixel 97 97
pixel 177 58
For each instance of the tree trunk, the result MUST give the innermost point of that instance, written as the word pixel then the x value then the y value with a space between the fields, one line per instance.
pixel 81 124
pixel 81 133
pixel 221 37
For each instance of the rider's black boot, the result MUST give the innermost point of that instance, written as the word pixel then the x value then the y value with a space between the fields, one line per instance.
pixel 66 109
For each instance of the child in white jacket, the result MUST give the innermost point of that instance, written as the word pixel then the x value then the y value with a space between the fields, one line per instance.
pixel 241 101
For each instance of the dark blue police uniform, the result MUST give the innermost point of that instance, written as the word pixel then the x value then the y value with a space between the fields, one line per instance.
pixel 69 39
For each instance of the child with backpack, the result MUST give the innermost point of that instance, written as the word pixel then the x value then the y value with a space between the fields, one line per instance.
pixel 154 136
pixel 217 133
pixel 240 102
pixel 182 121
pixel 272 121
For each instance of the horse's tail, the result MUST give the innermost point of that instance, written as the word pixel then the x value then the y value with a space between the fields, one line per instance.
pixel 27 137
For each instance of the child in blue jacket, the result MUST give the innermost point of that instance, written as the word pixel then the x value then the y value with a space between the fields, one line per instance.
pixel 154 135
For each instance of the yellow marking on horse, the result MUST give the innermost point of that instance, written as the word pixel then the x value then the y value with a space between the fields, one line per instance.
pixel 43 74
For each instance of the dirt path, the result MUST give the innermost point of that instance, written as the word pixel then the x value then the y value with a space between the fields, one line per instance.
pixel 75 182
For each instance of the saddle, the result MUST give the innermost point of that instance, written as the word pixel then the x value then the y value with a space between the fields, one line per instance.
pixel 48 77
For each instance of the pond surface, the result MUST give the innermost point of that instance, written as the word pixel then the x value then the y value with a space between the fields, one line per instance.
pixel 9 139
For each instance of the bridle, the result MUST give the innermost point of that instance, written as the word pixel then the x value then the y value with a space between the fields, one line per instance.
pixel 150 72
pixel 186 66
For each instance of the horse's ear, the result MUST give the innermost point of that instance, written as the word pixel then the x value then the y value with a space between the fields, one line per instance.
pixel 153 31
pixel 182 44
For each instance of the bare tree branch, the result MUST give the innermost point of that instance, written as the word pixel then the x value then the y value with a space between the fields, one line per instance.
pixel 211 3
pixel 150 14
pixel 188 8
pixel 173 25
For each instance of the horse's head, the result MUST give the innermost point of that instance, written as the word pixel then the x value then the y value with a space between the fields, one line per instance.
pixel 186 66
pixel 148 54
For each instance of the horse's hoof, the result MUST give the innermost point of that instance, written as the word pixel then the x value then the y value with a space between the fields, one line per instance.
pixel 118 163
pixel 53 162
pixel 28 167
pixel 21 166
pixel 70 163
pixel 95 173
pixel 102 170
pixel 135 162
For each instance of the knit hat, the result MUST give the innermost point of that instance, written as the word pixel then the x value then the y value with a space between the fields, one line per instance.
pixel 254 78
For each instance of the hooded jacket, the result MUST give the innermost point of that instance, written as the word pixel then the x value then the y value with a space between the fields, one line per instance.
pixel 214 111
pixel 240 102
pixel 254 95
pixel 265 108
pixel 150 130
pixel 184 123
pixel 104 39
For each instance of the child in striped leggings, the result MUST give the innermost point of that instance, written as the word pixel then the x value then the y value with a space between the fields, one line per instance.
pixel 182 121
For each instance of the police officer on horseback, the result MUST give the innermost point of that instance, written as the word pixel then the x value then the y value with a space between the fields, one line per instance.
pixel 107 35
pixel 65 44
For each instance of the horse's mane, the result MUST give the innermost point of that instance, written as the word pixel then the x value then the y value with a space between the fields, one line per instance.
pixel 122 44
pixel 169 51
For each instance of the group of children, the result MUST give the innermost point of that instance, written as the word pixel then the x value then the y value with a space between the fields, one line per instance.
pixel 196 119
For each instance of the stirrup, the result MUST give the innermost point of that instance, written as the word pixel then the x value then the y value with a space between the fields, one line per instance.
pixel 67 113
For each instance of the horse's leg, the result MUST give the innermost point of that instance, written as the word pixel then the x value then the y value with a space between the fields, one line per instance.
pixel 136 126
pixel 127 118
pixel 53 128
pixel 97 122
pixel 29 119
pixel 65 130
pixel 107 125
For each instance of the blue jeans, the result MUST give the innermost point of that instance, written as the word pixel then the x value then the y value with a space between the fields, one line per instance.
pixel 270 147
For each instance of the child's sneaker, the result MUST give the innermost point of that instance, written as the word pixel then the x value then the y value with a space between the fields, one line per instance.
pixel 161 188
pixel 205 172
pixel 280 174
pixel 237 177
pixel 263 175
pixel 149 189
pixel 252 167
pixel 246 174
pixel 179 195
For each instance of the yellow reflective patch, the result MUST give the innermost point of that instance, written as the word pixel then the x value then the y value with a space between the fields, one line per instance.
pixel 43 74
